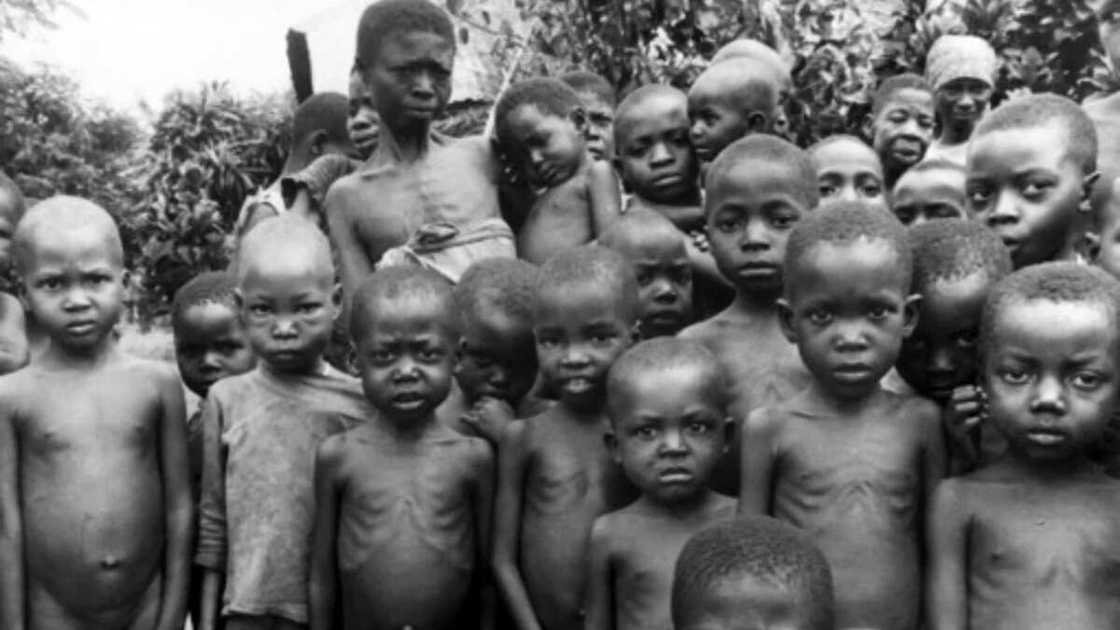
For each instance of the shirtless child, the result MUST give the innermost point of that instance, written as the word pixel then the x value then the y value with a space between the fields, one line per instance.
pixel 753 572
pixel 657 252
pixel 933 189
pixel 846 460
pixel 402 514
pixel 539 124
pixel 848 170
pixel 599 102
pixel 667 400
pixel 93 457
pixel 733 98
pixel 1033 540
pixel 757 190
pixel 14 346
pixel 555 476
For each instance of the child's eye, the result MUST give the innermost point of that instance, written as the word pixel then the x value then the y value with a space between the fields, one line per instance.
pixel 818 316
pixel 1087 380
pixel 979 197
pixel 430 355
pixel 381 357
pixel 1014 376
pixel 601 337
pixel 697 427
pixel 905 215
pixel 783 221
pixel 1033 190
pixel 878 312
pixel 925 122
pixel 308 308
pixel 647 432
pixel 259 309
pixel 548 342
pixel 51 284
pixel 729 226
pixel 871 190
pixel 644 278
pixel 827 190
pixel 965 339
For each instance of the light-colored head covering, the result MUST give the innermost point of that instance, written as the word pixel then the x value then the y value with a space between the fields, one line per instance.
pixel 960 57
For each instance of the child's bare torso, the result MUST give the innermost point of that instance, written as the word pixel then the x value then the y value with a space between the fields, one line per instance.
pixel 407 536
pixel 570 480
pixel 559 220
pixel 91 494
pixel 1042 556
pixel 855 484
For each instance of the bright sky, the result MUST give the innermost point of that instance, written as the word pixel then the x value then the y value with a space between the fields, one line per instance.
pixel 123 51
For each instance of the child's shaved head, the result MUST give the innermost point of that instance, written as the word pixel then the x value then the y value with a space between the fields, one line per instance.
pixel 738 558
pixel 665 354
pixel 1043 110
pixel 950 250
pixel 286 244
pixel 1055 282
pixel 326 112
pixel 12 202
pixel 394 285
pixel 386 18
pixel 748 83
pixel 892 85
pixel 549 96
pixel 640 225
pixel 507 284
pixel 52 217
pixel 628 108
pixel 584 81
pixel 768 149
pixel 592 266
pixel 209 287
pixel 846 222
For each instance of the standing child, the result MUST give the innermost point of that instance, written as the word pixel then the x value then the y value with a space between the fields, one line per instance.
pixel 260 431
pixel 599 100
pixel 754 572
pixel 554 472
pixel 961 70
pixel 846 460
pixel 933 189
pixel 1032 164
pixel 14 346
pixel 757 190
pixel 93 457
pixel 901 124
pixel 402 514
pixel 848 170
pixel 539 124
pixel 731 99
pixel 669 426
pixel 1032 540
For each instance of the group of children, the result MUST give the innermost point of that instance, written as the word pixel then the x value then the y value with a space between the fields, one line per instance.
pixel 726 383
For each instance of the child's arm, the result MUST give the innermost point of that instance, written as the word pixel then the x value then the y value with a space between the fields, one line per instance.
pixel 756 463
pixel 599 604
pixel 603 191
pixel 178 510
pixel 353 264
pixel 211 553
pixel 702 262
pixel 482 489
pixel 513 459
pixel 323 585
pixel 11 525
pixel 947 549
pixel 13 334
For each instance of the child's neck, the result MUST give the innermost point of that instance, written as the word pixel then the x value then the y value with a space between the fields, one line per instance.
pixel 1057 471
pixel 318 367
pixel 952 136
pixel 755 305
pixel 407 429
pixel 589 410
pixel 695 506
pixel 844 405
pixel 405 146
pixel 58 356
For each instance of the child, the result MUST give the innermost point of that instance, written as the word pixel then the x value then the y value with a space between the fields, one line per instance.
pixel 656 250
pixel 848 170
pixel 1107 255
pixel 13 326
pixel 497 356
pixel 757 190
pixel 1031 168
pixel 402 512
pixel 260 431
pixel 93 488
pixel 901 124
pixel 539 124
pixel 728 101
pixel 961 70
pixel 846 460
pixel 754 572
pixel 1030 541
pixel 932 189
pixel 555 476
pixel 755 50
pixel 599 100
pixel 956 263
pixel 1105 110
pixel 668 406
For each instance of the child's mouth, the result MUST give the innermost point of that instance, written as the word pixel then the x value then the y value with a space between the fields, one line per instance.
pixel 1046 437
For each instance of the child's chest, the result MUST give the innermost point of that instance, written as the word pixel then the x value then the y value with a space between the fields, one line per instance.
pixel 433 484
pixel 574 470
pixel 93 417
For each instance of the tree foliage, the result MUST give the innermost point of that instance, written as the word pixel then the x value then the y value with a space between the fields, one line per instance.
pixel 16 16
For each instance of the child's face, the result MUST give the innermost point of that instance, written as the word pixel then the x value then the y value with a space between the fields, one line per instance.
pixel 961 102
pixel 745 602
pixel 497 357
pixel 848 313
pixel 74 286
pixel 664 281
pixel 211 344
pixel 1022 184
pixel 1108 255
pixel 942 352
pixel 411 78
pixel 902 131
pixel 580 331
pixel 599 130
pixel 550 148
pixel 362 121
pixel 849 171
pixel 932 194
pixel 716 120
pixel 406 358
pixel 669 432
pixel 288 311
pixel 654 155
pixel 750 211
pixel 1051 376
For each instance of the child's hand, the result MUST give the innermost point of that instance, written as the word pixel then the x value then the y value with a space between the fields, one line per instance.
pixel 700 240
pixel 965 411
pixel 488 418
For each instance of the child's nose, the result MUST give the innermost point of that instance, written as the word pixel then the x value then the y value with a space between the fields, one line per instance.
pixel 1048 396
pixel 1004 211
pixel 284 328
pixel 659 155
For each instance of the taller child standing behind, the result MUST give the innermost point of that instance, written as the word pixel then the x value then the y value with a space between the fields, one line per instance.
pixel 260 431
pixel 93 459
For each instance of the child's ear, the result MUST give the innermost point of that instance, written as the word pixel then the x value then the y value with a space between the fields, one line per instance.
pixel 336 298
pixel 728 433
pixel 579 119
pixel 757 122
pixel 910 314
pixel 1087 184
pixel 317 142
pixel 611 440
pixel 785 320
pixel 126 277
pixel 867 128
pixel 1091 245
